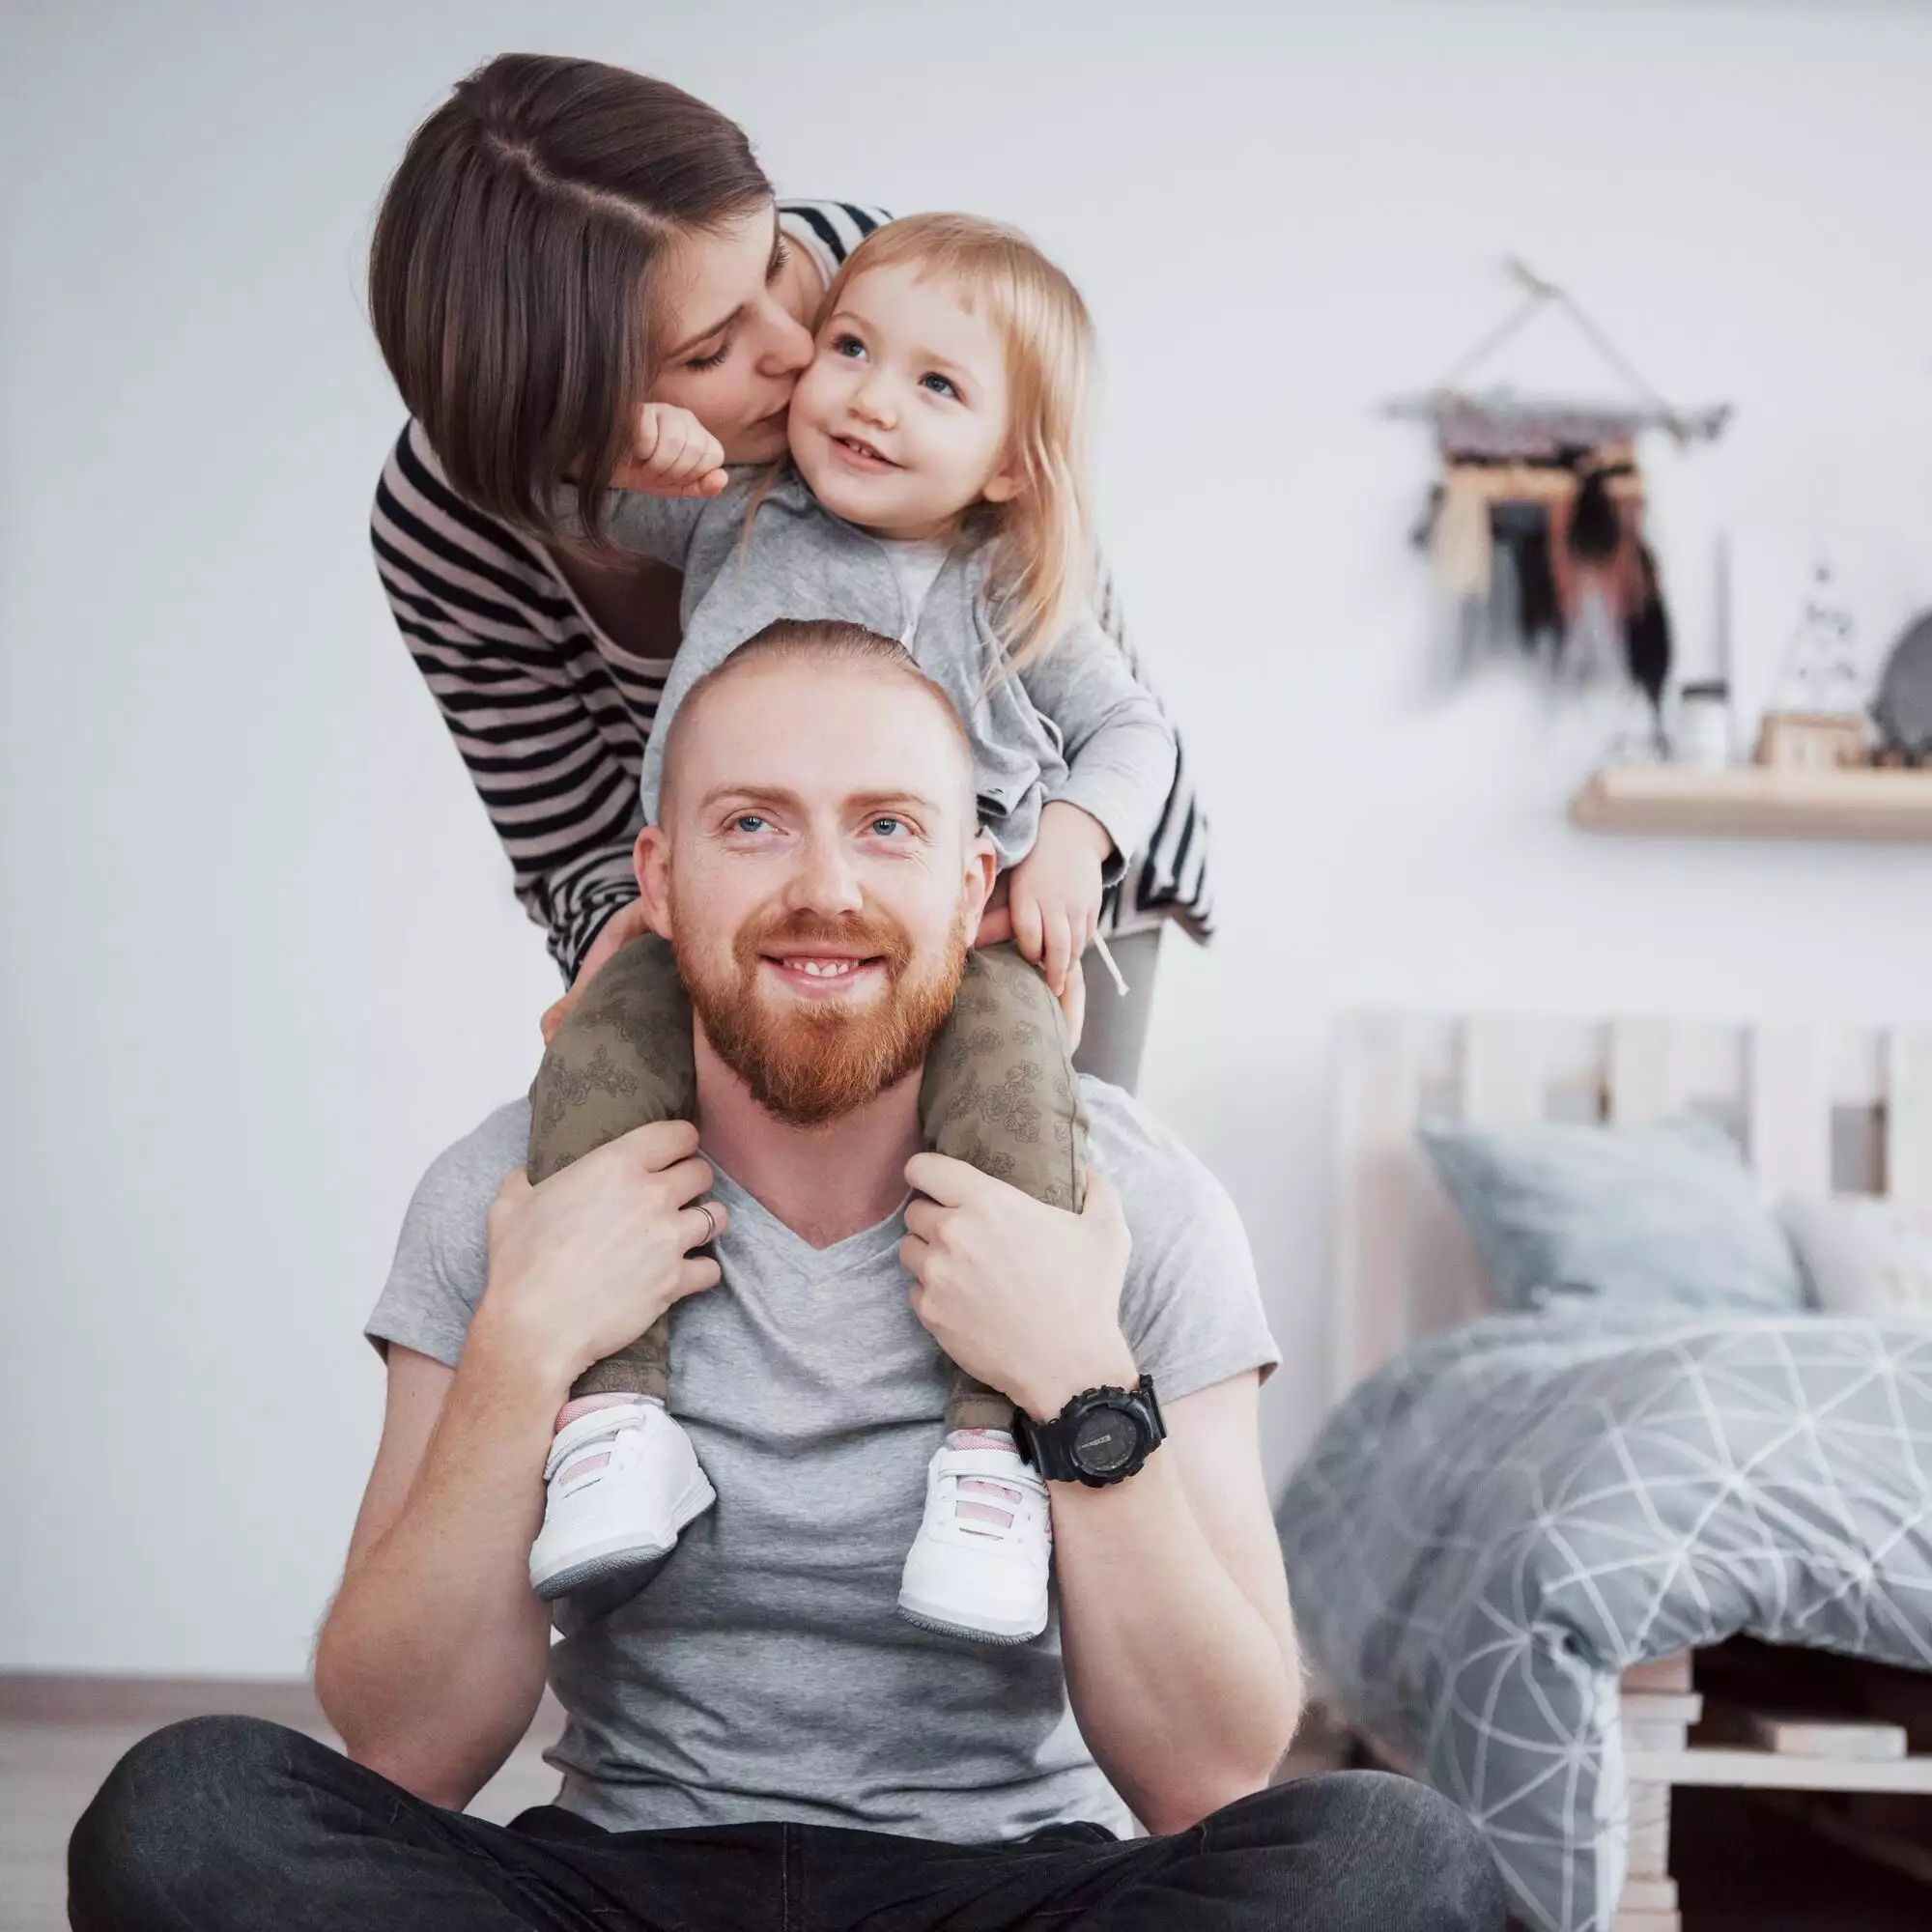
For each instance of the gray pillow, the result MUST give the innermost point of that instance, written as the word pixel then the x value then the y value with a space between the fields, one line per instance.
pixel 1865 1256
pixel 1666 1214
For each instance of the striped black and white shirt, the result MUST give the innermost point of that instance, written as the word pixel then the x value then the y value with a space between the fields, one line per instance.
pixel 552 718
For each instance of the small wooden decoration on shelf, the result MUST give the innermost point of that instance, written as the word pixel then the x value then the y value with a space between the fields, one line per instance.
pixel 1814 777
pixel 1811 740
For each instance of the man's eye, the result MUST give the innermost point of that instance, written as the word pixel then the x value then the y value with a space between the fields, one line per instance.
pixel 749 821
pixel 939 385
pixel 885 828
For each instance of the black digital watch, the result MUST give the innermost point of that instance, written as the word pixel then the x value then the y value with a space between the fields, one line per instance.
pixel 1104 1436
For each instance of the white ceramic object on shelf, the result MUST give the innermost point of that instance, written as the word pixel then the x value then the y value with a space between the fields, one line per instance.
pixel 1703 736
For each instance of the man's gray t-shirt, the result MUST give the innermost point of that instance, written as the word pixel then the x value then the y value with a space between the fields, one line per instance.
pixel 765 1672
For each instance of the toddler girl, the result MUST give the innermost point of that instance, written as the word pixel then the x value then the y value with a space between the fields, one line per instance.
pixel 936 492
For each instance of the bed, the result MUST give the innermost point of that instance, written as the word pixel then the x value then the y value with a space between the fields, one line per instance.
pixel 1517 1531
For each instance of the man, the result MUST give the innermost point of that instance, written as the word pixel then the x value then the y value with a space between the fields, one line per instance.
pixel 758 1740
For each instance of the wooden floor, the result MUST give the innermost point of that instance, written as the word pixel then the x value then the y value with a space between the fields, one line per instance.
pixel 48 1771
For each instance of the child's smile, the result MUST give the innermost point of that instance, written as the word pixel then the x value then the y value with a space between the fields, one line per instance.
pixel 855 449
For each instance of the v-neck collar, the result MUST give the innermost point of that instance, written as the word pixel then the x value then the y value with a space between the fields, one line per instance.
pixel 857 1250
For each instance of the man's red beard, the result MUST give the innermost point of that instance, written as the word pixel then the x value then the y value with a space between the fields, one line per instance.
pixel 805 1064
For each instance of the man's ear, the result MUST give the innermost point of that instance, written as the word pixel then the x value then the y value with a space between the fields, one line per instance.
pixel 650 861
pixel 983 875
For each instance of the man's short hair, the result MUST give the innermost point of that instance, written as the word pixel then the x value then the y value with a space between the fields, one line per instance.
pixel 821 641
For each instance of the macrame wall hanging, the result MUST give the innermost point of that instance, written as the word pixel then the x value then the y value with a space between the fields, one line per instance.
pixel 1536 528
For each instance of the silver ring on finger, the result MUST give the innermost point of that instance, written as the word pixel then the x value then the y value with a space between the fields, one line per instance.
pixel 710 1224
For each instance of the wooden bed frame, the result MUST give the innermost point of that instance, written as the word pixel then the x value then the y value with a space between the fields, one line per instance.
pixel 1818 1109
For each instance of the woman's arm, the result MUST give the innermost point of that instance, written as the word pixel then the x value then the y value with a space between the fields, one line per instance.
pixel 1171 871
pixel 552 752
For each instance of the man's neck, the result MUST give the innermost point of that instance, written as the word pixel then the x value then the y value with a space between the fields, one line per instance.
pixel 824 1183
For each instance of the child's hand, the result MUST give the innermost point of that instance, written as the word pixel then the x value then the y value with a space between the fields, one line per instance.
pixel 996 928
pixel 1054 891
pixel 674 455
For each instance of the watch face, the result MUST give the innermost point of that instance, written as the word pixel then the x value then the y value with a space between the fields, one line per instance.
pixel 1104 1441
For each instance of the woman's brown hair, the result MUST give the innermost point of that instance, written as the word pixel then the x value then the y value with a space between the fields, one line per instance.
pixel 512 270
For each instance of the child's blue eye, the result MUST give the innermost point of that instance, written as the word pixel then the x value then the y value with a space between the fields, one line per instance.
pixel 939 385
pixel 847 346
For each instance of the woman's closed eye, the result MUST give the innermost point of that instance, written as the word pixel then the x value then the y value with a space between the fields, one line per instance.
pixel 712 361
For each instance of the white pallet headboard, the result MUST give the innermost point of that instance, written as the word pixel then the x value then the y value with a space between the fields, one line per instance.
pixel 1817 1108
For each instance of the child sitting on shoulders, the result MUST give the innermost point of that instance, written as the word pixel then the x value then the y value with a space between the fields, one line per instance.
pixel 936 492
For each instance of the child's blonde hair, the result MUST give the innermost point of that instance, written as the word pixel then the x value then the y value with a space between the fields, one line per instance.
pixel 1043 565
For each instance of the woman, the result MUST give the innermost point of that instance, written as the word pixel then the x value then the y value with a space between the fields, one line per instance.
pixel 563 243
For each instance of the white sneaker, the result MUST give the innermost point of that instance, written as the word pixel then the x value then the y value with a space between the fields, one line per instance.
pixel 623 1481
pixel 978 1567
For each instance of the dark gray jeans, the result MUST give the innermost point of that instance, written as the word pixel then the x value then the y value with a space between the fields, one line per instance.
pixel 231 1825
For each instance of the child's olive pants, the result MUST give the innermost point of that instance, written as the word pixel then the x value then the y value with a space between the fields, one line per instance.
pixel 998 1093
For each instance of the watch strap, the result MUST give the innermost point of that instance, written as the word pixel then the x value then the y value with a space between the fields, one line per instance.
pixel 1050 1445
pixel 1045 1446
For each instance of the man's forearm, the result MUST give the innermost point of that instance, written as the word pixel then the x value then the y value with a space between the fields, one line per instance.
pixel 1185 1691
pixel 432 1660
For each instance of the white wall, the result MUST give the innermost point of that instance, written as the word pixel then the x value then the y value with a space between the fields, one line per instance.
pixel 261 957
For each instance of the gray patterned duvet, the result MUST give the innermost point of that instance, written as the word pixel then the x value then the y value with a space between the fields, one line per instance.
pixel 1493 1526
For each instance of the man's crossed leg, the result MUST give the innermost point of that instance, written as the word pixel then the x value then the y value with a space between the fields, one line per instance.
pixel 231 1825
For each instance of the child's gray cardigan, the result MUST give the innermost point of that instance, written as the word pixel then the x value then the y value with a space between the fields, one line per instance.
pixel 1074 725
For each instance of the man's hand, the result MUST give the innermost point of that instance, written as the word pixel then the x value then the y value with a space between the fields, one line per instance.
pixel 626 924
pixel 674 455
pixel 586 1262
pixel 1056 891
pixel 1024 1296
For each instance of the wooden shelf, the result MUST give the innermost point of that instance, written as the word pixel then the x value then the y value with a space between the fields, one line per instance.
pixel 1752 802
